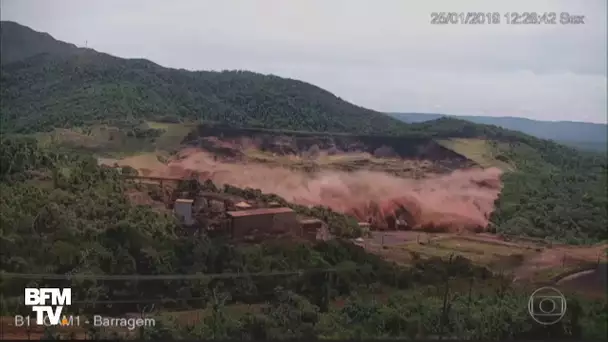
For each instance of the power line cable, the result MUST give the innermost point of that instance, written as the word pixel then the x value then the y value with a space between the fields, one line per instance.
pixel 154 300
pixel 200 276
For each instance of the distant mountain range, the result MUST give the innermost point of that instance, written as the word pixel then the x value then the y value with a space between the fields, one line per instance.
pixel 584 135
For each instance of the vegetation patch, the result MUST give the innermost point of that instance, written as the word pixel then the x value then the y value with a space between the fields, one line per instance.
pixel 117 141
pixel 480 151
pixel 480 247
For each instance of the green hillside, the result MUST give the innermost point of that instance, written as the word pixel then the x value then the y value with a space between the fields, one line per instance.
pixel 554 191
pixel 62 214
pixel 583 135
pixel 82 86
pixel 20 42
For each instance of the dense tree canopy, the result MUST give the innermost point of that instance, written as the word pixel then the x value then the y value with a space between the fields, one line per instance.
pixel 62 214
pixel 555 193
pixel 46 91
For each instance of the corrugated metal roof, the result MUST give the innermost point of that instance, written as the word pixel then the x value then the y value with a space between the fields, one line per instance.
pixel 261 211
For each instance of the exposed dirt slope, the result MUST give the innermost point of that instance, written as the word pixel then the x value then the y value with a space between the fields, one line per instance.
pixel 460 201
pixel 236 142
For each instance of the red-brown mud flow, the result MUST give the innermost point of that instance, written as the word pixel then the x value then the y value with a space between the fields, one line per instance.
pixel 460 201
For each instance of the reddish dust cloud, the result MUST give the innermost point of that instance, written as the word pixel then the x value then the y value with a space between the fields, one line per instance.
pixel 460 201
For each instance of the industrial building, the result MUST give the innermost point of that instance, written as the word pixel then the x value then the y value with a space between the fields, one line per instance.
pixel 246 224
pixel 217 202
pixel 183 210
pixel 313 229
pixel 221 214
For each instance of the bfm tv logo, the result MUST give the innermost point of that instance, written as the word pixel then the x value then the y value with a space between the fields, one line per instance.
pixel 37 298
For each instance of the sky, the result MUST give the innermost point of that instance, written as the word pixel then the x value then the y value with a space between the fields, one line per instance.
pixel 381 54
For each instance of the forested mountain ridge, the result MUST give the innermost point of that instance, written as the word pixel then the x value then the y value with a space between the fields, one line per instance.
pixel 19 42
pixel 48 90
pixel 56 84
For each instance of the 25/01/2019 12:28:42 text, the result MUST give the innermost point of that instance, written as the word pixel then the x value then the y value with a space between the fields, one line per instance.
pixel 509 18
